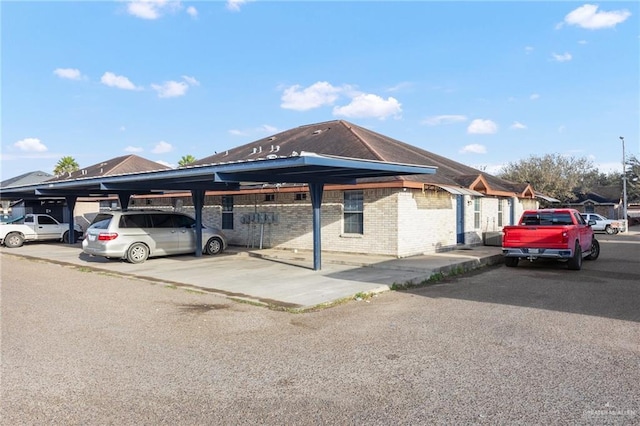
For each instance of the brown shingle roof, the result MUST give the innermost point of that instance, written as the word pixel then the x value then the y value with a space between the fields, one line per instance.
pixel 345 139
pixel 114 166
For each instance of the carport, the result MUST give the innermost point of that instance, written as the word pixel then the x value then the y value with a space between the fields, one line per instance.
pixel 306 168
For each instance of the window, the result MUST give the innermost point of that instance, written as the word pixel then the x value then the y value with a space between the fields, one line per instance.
pixel 133 221
pixel 227 212
pixel 301 196
pixel 476 212
pixel 46 220
pixel 500 211
pixel 269 197
pixel 162 220
pixel 353 212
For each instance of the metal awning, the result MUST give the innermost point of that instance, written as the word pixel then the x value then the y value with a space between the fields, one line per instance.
pixel 458 190
pixel 546 198
pixel 310 168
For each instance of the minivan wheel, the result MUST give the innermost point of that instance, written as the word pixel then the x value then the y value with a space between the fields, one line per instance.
pixel 214 246
pixel 137 253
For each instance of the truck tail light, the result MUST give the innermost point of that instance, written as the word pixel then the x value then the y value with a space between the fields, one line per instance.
pixel 565 236
pixel 107 236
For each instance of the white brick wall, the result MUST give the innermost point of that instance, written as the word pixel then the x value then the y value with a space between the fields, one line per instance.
pixel 397 222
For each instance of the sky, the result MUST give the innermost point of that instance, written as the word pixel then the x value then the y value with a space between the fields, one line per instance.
pixel 485 83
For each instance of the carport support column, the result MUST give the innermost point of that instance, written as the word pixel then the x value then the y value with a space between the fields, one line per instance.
pixel 316 190
pixel 124 197
pixel 71 205
pixel 197 195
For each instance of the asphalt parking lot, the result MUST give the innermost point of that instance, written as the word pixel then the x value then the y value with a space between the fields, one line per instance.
pixel 537 344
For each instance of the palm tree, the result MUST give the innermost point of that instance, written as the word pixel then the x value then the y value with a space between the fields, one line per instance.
pixel 65 165
pixel 186 160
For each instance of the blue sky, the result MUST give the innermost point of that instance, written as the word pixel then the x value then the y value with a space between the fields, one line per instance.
pixel 483 83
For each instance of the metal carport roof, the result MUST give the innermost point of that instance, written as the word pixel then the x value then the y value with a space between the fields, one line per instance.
pixel 312 169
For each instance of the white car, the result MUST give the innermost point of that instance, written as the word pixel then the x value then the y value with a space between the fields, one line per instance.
pixel 136 235
pixel 609 226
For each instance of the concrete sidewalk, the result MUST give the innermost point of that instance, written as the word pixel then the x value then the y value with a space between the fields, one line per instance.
pixel 281 278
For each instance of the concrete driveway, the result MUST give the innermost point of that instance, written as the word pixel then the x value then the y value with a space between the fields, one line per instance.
pixel 275 277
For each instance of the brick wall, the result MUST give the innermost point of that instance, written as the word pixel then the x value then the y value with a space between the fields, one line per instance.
pixel 397 222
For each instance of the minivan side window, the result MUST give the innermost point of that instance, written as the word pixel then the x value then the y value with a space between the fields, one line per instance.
pixel 162 220
pixel 134 221
pixel 184 221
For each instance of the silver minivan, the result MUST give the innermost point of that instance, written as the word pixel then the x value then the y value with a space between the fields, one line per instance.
pixel 136 235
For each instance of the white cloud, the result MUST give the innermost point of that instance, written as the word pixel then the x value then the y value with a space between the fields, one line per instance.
pixel 68 73
pixel 528 49
pixel 314 96
pixel 562 58
pixel 474 149
pixel 191 81
pixel 165 163
pixel 192 11
pixel 30 145
pixel 405 85
pixel 437 120
pixel 162 147
pixel 588 16
pixel 171 89
pixel 235 5
pixel 482 127
pixel 152 9
pixel 119 81
pixel 369 105
pixel 133 149
pixel 518 125
pixel 534 96
pixel 264 129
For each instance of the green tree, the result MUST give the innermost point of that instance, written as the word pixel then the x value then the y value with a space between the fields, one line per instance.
pixel 66 165
pixel 186 160
pixel 555 175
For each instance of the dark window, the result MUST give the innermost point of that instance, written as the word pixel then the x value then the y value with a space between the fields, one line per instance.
pixel 353 212
pixel 182 221
pixel 227 212
pixel 134 221
pixel 162 220
pixel 46 220
pixel 28 219
pixel 301 196
pixel 101 221
pixel 269 197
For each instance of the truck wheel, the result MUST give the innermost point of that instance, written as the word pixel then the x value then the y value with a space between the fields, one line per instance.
pixel 214 246
pixel 65 237
pixel 511 262
pixel 575 263
pixel 609 230
pixel 595 250
pixel 13 240
pixel 137 253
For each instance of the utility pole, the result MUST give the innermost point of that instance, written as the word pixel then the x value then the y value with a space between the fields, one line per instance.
pixel 624 186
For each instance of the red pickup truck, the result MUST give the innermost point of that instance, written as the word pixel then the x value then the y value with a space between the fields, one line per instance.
pixel 559 234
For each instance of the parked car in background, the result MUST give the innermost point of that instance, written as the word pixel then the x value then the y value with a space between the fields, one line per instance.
pixel 609 226
pixel 35 227
pixel 136 235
